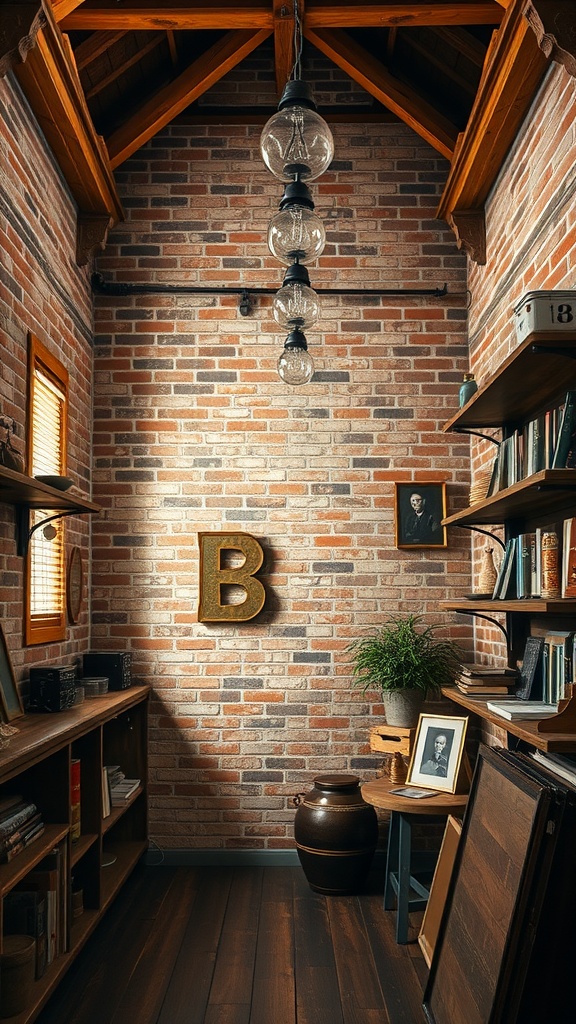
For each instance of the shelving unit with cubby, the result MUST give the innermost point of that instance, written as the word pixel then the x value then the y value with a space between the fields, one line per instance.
pixel 37 764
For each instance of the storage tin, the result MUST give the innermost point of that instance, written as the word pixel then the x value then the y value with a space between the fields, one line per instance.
pixel 553 312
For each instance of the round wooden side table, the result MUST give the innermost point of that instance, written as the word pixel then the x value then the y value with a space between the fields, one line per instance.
pixel 400 882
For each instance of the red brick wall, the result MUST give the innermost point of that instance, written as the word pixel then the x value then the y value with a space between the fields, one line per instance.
pixel 194 431
pixel 43 291
pixel 531 240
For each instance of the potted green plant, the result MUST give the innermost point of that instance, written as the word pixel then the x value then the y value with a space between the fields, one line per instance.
pixel 405 661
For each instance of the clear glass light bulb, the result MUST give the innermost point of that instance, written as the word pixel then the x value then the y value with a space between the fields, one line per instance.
pixel 296 141
pixel 296 305
pixel 295 365
pixel 296 234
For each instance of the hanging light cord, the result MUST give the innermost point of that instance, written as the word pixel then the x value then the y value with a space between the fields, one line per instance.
pixel 296 72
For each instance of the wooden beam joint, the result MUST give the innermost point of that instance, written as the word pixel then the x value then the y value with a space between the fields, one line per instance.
pixel 91 236
pixel 21 23
pixel 469 226
pixel 554 24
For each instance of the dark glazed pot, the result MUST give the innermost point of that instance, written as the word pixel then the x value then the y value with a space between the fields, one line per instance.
pixel 336 833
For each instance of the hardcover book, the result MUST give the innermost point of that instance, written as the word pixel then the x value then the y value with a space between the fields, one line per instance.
pixel 564 451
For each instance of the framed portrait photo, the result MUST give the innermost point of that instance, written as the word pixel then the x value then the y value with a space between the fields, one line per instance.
pixel 437 757
pixel 419 511
pixel 9 693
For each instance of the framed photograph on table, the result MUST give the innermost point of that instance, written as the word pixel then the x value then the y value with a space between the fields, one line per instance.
pixel 437 760
pixel 9 692
pixel 419 511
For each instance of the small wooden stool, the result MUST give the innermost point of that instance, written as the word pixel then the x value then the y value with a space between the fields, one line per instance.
pixel 400 861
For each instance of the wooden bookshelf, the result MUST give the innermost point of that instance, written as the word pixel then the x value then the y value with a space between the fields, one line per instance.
pixel 111 728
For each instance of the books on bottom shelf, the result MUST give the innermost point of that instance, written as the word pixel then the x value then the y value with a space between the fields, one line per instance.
pixel 516 710
pixel 123 791
pixel 116 788
pixel 47 881
pixel 26 913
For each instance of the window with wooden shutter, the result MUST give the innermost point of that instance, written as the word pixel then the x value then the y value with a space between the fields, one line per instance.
pixel 45 619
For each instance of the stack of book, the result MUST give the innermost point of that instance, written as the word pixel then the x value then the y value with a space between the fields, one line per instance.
pixel 116 788
pixel 476 680
pixel 20 824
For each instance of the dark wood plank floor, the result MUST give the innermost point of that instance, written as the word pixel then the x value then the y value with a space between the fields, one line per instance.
pixel 243 945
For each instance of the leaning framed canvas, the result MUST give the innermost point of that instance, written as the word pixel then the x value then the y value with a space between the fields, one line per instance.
pixel 9 692
pixel 436 760
pixel 419 511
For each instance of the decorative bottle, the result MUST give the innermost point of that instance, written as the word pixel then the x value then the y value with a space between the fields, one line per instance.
pixel 467 388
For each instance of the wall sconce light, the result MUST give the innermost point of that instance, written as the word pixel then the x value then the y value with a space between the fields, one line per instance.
pixel 297 146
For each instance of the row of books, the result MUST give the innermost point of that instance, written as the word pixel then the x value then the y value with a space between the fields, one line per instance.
pixel 116 788
pixel 548 665
pixel 20 825
pixel 521 573
pixel 546 442
pixel 38 906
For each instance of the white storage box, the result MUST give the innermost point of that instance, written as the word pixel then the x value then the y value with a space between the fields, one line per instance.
pixel 553 312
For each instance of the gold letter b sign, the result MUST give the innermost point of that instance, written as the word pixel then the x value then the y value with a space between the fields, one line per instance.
pixel 213 578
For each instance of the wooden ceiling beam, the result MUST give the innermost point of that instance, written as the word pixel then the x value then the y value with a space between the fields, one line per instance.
pixel 170 101
pixel 50 83
pixel 284 55
pixel 151 16
pixel 94 46
pixel 393 94
pixel 61 8
pixel 107 80
pixel 148 15
pixel 463 83
pixel 514 69
pixel 400 15
pixel 464 42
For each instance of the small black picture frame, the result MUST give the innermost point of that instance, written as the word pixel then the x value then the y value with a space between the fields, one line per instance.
pixel 419 511
pixel 9 693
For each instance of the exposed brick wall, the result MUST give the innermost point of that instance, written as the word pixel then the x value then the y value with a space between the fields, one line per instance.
pixel 43 291
pixel 531 241
pixel 194 431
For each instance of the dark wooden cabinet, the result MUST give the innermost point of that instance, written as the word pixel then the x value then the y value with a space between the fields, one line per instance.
pixel 104 730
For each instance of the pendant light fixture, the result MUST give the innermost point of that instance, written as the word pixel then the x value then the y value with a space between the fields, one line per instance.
pixel 296 233
pixel 297 146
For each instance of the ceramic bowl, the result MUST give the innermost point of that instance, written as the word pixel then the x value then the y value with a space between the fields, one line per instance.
pixel 61 483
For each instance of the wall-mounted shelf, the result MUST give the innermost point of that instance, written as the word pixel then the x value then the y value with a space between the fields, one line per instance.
pixel 528 605
pixel 529 377
pixel 26 494
pixel 549 492
pixel 559 742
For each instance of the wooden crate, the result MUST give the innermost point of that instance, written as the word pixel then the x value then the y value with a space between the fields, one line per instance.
pixel 388 739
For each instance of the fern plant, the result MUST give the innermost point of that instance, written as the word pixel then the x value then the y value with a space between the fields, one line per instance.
pixel 404 654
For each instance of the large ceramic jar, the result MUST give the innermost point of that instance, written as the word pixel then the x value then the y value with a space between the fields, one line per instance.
pixel 336 833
